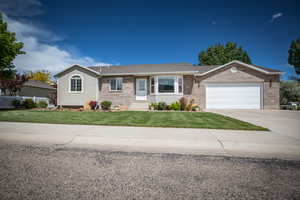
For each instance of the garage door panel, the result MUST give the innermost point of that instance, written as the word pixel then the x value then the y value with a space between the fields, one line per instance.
pixel 233 96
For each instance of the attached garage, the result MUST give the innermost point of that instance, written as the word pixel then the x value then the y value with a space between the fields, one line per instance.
pixel 234 96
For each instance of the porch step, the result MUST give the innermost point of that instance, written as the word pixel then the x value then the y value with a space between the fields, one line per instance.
pixel 139 106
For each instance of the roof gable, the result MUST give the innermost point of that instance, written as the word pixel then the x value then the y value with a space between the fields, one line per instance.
pixel 86 69
pixel 255 67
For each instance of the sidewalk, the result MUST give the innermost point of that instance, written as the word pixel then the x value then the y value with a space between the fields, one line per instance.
pixel 154 140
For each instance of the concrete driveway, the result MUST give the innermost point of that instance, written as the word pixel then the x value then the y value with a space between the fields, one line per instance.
pixel 283 122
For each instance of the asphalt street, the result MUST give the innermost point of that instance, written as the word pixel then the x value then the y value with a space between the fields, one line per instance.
pixel 40 172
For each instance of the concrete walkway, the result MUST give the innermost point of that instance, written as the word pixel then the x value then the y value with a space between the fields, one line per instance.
pixel 154 140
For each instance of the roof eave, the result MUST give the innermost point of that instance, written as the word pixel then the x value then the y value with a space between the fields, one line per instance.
pixel 269 73
pixel 150 73
pixel 93 71
pixel 241 63
pixel 39 87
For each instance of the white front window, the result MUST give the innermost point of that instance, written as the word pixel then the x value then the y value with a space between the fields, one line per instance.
pixel 116 84
pixel 76 83
pixel 166 85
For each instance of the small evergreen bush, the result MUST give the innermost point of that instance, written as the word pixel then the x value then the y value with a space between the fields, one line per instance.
pixel 29 103
pixel 105 105
pixel 161 106
pixel 16 103
pixel 42 104
pixel 175 106
pixel 153 106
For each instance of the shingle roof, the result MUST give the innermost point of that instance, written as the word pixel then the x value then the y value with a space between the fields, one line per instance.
pixel 266 68
pixel 169 68
pixel 39 84
pixel 150 68
pixel 160 68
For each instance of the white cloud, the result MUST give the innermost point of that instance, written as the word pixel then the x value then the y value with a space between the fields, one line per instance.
pixel 27 29
pixel 276 16
pixel 41 55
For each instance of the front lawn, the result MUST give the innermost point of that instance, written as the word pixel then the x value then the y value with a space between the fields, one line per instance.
pixel 130 118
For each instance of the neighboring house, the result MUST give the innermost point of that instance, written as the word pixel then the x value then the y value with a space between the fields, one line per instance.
pixel 33 88
pixel 235 85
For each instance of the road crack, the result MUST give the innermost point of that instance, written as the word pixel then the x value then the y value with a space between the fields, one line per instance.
pixel 221 143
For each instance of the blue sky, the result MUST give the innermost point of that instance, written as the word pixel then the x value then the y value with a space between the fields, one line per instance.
pixel 58 33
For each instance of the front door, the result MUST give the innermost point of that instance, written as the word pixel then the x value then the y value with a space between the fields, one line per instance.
pixel 141 89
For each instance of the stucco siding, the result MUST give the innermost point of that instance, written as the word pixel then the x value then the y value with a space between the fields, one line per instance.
pixel 67 98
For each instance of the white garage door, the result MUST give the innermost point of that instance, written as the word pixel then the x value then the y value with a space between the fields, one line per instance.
pixel 233 96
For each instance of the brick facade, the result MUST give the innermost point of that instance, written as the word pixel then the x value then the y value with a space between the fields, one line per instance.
pixel 127 95
pixel 124 97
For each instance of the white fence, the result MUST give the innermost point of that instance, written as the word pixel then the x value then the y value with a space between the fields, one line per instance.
pixel 5 101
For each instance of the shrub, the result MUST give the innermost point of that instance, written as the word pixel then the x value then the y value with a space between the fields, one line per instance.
pixel 183 103
pixel 16 103
pixel 93 104
pixel 168 107
pixel 195 108
pixel 105 105
pixel 289 92
pixel 29 103
pixel 175 106
pixel 161 106
pixel 189 106
pixel 153 106
pixel 42 104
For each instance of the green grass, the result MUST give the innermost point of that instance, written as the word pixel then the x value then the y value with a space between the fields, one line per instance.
pixel 131 118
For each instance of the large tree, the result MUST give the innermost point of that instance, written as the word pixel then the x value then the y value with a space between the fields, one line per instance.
pixel 294 55
pixel 220 54
pixel 9 49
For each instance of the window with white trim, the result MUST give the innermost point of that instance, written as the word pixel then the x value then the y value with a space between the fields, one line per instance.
pixel 76 84
pixel 166 85
pixel 180 89
pixel 152 85
pixel 116 84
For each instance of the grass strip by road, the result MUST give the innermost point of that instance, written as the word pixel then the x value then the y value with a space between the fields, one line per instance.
pixel 131 118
